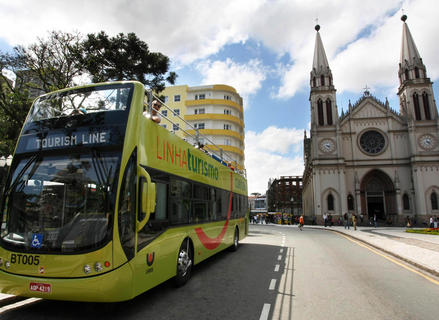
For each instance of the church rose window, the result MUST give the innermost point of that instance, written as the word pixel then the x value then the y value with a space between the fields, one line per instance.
pixel 372 142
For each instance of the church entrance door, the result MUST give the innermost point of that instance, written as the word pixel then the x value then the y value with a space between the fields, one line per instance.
pixel 378 195
pixel 375 204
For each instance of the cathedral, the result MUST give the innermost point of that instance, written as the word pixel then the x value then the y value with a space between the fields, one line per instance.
pixel 371 160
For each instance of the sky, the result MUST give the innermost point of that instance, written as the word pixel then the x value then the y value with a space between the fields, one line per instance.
pixel 262 48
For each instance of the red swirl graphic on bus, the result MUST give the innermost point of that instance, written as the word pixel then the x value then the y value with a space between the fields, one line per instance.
pixel 213 243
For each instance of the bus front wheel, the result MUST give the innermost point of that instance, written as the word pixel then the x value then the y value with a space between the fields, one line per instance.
pixel 184 263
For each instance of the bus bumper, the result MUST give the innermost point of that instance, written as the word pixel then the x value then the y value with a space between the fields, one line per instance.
pixel 112 286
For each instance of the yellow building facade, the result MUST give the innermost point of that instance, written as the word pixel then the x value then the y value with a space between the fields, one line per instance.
pixel 215 112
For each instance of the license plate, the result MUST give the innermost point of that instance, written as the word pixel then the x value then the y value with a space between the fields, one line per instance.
pixel 40 287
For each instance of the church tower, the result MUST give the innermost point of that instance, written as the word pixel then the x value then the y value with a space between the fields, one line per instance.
pixel 322 97
pixel 415 91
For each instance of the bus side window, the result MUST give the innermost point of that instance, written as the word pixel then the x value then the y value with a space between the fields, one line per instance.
pixel 179 201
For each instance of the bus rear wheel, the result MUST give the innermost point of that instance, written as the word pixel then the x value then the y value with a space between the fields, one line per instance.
pixel 184 263
pixel 235 244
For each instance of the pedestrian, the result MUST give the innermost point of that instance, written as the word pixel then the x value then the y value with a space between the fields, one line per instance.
pixel 154 115
pixel 325 219
pixel 330 221
pixel 431 222
pixel 435 222
pixel 361 218
pixel 375 220
pixel 408 222
pixel 354 221
pixel 346 220
pixel 301 222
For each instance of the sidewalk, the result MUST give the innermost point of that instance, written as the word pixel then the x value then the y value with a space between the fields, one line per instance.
pixel 420 250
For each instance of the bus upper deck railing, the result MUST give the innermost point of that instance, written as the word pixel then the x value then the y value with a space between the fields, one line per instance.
pixel 223 157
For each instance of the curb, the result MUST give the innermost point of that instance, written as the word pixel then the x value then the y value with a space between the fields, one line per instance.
pixel 411 262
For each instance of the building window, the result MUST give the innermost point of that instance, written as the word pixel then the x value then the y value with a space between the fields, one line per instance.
pixel 227 111
pixel 165 113
pixel 405 202
pixel 163 125
pixel 426 106
pixel 166 99
pixel 350 202
pixel 322 80
pixel 200 111
pixel 227 142
pixel 330 201
pixel 314 81
pixel 433 198
pixel 416 106
pixel 406 72
pixel 177 98
pixel 416 72
pixel 320 112
pixel 226 97
pixel 227 126
pixel 176 126
pixel 176 112
pixel 200 96
pixel 199 126
pixel 329 111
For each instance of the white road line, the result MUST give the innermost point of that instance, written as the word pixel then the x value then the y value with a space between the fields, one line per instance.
pixel 276 268
pixel 18 304
pixel 272 284
pixel 279 258
pixel 265 312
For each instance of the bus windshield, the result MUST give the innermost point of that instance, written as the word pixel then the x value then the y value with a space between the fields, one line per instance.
pixel 81 101
pixel 60 203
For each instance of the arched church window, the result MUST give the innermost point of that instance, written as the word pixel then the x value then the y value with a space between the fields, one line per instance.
pixel 416 72
pixel 405 202
pixel 416 106
pixel 320 112
pixel 433 198
pixel 406 72
pixel 322 80
pixel 350 202
pixel 330 201
pixel 426 106
pixel 314 81
pixel 329 111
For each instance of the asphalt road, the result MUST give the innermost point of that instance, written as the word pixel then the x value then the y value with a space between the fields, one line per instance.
pixel 277 273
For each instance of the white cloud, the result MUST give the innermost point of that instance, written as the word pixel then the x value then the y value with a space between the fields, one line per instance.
pixel 270 154
pixel 245 78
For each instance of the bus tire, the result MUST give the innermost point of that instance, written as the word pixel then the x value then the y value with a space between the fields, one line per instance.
pixel 235 243
pixel 185 262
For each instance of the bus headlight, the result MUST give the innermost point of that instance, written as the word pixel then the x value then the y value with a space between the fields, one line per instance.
pixel 87 269
pixel 7 264
pixel 98 267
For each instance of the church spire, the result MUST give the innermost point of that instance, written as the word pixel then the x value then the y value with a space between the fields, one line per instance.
pixel 320 61
pixel 321 76
pixel 410 66
pixel 409 52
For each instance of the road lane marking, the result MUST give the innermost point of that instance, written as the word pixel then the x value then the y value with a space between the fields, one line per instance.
pixel 272 284
pixel 18 304
pixel 276 268
pixel 392 260
pixel 265 312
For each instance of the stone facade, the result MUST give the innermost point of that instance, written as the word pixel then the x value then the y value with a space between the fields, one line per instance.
pixel 373 160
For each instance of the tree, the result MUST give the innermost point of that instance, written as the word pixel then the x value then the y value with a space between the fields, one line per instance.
pixel 124 57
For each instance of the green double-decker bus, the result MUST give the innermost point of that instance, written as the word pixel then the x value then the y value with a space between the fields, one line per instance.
pixel 102 203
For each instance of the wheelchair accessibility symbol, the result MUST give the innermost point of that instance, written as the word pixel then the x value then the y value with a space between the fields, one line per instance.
pixel 37 240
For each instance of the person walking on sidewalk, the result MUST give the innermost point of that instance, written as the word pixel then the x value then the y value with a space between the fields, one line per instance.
pixel 375 220
pixel 301 222
pixel 354 221
pixel 346 220
pixel 325 219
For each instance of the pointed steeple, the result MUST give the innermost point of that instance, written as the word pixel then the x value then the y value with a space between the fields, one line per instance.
pixel 321 76
pixel 409 52
pixel 410 65
pixel 320 61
